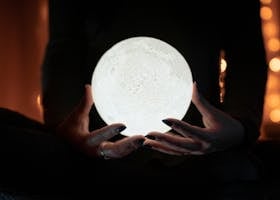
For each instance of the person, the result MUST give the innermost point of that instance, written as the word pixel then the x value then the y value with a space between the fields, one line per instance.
pixel 212 144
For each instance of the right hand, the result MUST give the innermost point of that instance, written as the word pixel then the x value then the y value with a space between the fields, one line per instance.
pixel 75 128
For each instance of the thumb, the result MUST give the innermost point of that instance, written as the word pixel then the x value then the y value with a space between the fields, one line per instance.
pixel 203 106
pixel 86 102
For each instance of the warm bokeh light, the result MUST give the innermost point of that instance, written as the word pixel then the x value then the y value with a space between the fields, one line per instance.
pixel 272 82
pixel 270 29
pixel 269 13
pixel 266 13
pixel 273 100
pixel 273 44
pixel 275 115
pixel 38 100
pixel 274 64
pixel 44 11
pixel 223 65
pixel 39 104
pixel 222 84
pixel 265 1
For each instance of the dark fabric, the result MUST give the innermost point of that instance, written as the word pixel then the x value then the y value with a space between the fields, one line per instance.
pixel 35 161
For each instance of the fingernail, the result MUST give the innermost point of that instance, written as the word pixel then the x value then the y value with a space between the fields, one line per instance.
pixel 150 137
pixel 167 122
pixel 140 142
pixel 121 128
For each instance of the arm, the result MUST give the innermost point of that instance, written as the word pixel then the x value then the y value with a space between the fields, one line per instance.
pixel 64 64
pixel 247 69
pixel 75 129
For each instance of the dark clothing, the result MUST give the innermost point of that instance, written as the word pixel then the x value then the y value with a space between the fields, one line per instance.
pixel 81 31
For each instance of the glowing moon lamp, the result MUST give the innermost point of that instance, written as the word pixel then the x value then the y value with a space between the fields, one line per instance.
pixel 139 82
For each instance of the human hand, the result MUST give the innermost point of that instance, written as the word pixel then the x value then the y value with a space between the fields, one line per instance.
pixel 75 128
pixel 221 131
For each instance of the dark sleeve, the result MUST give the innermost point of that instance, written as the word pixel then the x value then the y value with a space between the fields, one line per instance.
pixel 64 66
pixel 247 67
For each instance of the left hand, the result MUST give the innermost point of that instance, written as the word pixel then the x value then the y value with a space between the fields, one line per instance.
pixel 221 131
pixel 95 143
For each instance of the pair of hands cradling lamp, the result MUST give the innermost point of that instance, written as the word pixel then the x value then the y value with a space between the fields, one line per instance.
pixel 220 132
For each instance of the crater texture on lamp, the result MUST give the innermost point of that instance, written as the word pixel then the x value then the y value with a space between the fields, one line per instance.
pixel 139 81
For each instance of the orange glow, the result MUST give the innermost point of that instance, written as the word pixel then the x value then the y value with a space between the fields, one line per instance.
pixel 265 1
pixel 23 31
pixel 274 64
pixel 39 104
pixel 38 100
pixel 44 11
pixel 266 13
pixel 269 13
pixel 272 82
pixel 270 29
pixel 273 100
pixel 223 65
pixel 275 115
pixel 273 44
pixel 222 84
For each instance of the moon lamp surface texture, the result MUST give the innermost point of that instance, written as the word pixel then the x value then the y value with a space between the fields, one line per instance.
pixel 140 81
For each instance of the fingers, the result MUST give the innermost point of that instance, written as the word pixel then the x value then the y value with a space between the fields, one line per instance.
pixel 103 134
pixel 88 100
pixel 164 147
pixel 168 148
pixel 203 106
pixel 165 143
pixel 84 107
pixel 187 130
pixel 122 147
pixel 178 141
